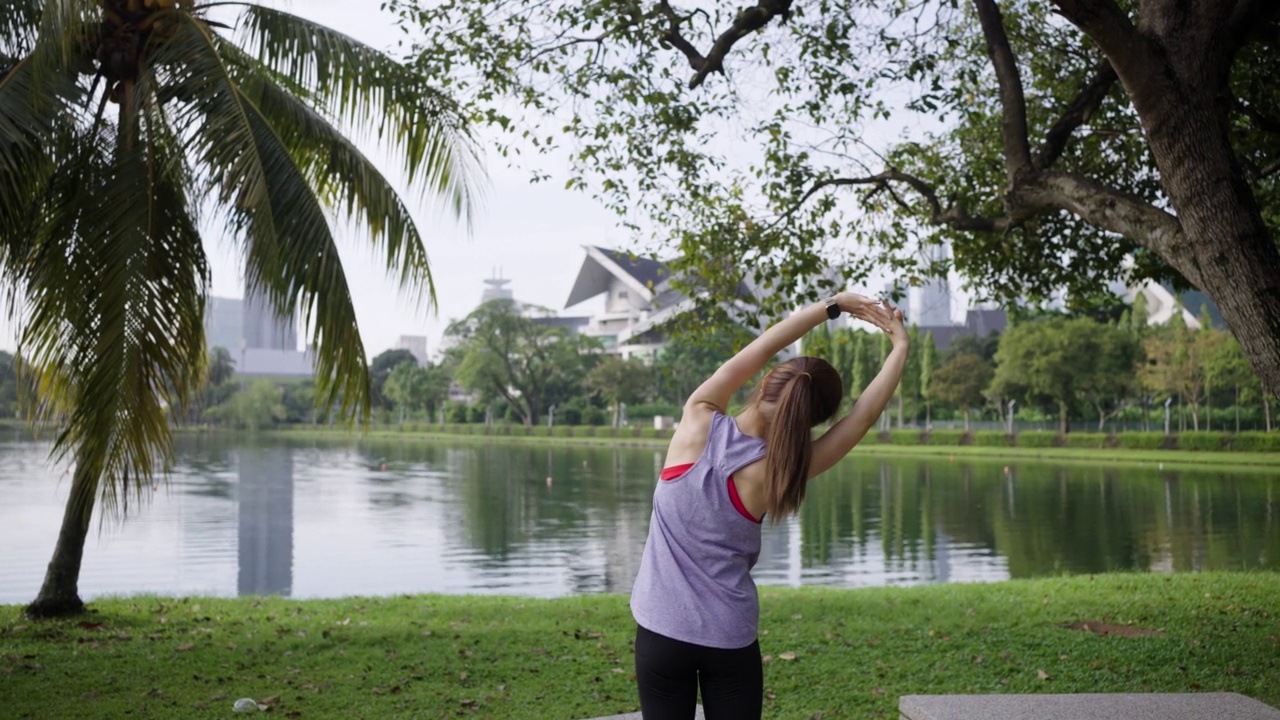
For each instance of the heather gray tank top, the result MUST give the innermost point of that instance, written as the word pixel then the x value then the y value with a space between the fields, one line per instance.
pixel 695 580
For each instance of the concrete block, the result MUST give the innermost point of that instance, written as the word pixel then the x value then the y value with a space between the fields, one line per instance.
pixel 1118 706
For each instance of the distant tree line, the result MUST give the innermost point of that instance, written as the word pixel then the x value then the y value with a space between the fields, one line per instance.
pixel 508 363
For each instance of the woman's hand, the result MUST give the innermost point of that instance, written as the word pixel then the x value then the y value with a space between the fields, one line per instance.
pixel 883 314
pixel 866 309
pixel 897 328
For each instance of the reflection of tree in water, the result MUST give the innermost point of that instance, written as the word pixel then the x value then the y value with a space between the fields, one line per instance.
pixel 1044 519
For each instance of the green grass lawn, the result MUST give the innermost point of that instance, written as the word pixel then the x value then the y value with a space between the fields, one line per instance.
pixel 1234 461
pixel 831 653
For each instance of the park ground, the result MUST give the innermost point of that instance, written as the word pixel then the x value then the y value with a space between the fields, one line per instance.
pixel 829 653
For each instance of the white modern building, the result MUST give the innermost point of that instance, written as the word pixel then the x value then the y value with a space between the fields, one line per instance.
pixel 638 298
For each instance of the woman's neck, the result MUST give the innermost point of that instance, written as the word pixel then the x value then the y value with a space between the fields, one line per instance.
pixel 752 422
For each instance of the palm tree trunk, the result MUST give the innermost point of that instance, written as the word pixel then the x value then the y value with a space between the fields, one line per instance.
pixel 60 594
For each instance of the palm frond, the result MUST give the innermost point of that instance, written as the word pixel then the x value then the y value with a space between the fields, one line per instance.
pixel 18 22
pixel 290 253
pixel 344 178
pixel 369 91
pixel 115 286
pixel 37 92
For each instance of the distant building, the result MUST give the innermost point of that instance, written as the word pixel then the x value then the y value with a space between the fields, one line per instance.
pixel 263 328
pixel 930 304
pixel 638 298
pixel 416 345
pixel 496 289
pixel 223 320
pixel 1162 304
pixel 260 343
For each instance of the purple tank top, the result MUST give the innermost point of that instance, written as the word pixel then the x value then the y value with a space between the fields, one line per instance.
pixel 695 580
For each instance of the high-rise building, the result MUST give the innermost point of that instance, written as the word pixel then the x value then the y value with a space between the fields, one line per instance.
pixel 260 343
pixel 263 328
pixel 930 304
pixel 223 322
pixel 416 345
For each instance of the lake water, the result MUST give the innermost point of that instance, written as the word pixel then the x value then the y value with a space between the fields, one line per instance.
pixel 320 519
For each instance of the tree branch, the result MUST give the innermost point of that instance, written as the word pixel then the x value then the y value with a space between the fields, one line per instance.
pixel 1103 21
pixel 1013 106
pixel 1076 114
pixel 1114 211
pixel 746 22
pixel 952 216
pixel 1244 19
pixel 1039 192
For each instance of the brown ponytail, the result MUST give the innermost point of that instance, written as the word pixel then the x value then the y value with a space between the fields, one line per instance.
pixel 804 391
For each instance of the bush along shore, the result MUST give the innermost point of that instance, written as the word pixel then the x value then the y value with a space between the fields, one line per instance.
pixel 1203 441
pixel 828 653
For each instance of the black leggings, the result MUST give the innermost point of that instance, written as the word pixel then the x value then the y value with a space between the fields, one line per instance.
pixel 669 672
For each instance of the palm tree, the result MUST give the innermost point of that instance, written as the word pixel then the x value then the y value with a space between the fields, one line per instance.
pixel 126 123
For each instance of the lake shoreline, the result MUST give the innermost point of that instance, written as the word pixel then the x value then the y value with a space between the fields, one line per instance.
pixel 1171 459
pixel 830 653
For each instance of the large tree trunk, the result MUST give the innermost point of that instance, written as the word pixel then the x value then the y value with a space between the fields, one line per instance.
pixel 966 419
pixel 60 594
pixel 1229 253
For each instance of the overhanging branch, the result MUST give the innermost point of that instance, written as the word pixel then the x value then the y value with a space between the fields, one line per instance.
pixel 747 21
pixel 1036 193
pixel 952 216
pixel 1013 106
pixel 1076 114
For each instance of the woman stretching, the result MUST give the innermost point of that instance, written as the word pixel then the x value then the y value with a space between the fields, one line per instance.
pixel 694 601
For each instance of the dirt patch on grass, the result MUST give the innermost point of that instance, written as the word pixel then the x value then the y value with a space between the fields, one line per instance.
pixel 1101 628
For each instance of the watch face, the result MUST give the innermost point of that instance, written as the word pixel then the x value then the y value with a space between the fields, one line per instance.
pixel 833 310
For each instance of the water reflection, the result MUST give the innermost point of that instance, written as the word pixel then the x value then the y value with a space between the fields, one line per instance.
pixel 264 498
pixel 376 518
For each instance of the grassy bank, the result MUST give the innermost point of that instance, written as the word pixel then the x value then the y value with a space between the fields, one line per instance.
pixel 832 653
pixel 1236 460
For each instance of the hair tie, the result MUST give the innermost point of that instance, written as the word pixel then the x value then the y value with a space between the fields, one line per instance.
pixel 806 374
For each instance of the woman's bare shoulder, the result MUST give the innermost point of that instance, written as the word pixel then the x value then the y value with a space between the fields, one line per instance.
pixel 690 437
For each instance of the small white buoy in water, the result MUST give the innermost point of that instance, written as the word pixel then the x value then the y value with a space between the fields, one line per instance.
pixel 549 481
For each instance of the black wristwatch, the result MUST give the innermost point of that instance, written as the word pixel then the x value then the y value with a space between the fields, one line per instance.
pixel 833 308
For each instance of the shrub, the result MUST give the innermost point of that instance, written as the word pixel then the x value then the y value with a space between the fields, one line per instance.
pixel 905 437
pixel 540 431
pixel 1087 440
pixel 1257 442
pixel 594 416
pixel 1141 440
pixel 945 437
pixel 653 433
pixel 1200 440
pixel 1036 439
pixel 455 412
pixel 991 438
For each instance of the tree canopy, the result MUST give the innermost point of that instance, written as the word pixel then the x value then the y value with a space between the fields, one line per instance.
pixel 1051 146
